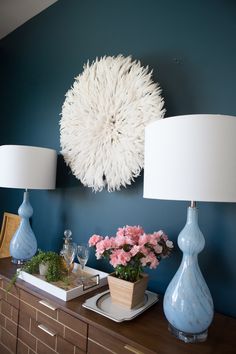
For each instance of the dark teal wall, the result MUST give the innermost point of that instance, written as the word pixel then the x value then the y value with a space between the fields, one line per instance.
pixel 190 45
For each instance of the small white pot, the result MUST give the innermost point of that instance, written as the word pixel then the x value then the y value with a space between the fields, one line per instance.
pixel 43 268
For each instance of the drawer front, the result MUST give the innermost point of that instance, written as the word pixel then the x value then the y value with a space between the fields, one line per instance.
pixel 42 324
pixel 44 333
pixel 45 306
pixel 94 347
pixel 26 339
pixel 4 350
pixel 76 331
pixel 8 327
pixel 8 341
pixel 48 340
pixel 103 343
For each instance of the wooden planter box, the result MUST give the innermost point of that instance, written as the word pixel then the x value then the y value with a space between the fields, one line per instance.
pixel 126 293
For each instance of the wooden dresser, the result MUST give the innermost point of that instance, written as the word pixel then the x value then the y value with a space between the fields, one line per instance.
pixel 32 321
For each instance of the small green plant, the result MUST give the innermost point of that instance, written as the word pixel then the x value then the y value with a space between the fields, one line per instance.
pixel 55 271
pixel 54 261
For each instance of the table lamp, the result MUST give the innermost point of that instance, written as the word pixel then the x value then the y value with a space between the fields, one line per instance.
pixel 193 158
pixel 26 167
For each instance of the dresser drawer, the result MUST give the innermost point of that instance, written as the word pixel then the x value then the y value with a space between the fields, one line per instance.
pixel 100 342
pixel 7 342
pixel 45 306
pixel 8 326
pixel 42 324
pixel 47 334
pixel 76 331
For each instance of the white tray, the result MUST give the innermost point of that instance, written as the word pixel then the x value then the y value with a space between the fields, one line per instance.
pixel 99 280
pixel 102 304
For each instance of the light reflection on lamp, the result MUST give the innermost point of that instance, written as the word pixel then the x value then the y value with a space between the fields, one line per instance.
pixel 26 167
pixel 190 158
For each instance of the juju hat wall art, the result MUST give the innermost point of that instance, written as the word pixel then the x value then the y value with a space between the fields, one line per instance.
pixel 103 119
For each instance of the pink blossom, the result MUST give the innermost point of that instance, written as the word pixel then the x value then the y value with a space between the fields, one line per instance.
pixel 129 242
pixel 100 249
pixel 154 263
pixel 98 255
pixel 169 244
pixel 119 257
pixel 120 241
pixel 158 234
pixel 104 245
pixel 164 236
pixel 120 231
pixel 150 259
pixel 143 239
pixel 94 239
pixel 108 243
pixel 134 231
pixel 144 261
pixel 113 242
pixel 134 250
pixel 153 239
pixel 144 250
pixel 158 249
pixel 132 234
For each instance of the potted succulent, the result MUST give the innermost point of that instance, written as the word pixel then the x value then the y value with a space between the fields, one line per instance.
pixel 129 252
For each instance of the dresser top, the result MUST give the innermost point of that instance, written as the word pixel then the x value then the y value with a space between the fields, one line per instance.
pixel 150 329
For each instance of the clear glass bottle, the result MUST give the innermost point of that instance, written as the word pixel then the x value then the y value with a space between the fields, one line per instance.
pixel 67 239
pixel 68 236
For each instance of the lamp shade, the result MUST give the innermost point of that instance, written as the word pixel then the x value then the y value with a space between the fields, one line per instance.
pixel 191 157
pixel 27 167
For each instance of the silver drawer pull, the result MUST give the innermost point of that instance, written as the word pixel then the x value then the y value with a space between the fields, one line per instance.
pixel 132 349
pixel 46 304
pixel 46 330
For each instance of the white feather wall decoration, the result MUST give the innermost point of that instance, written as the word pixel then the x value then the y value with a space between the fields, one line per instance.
pixel 103 119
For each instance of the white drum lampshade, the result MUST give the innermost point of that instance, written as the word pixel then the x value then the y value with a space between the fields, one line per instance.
pixel 26 167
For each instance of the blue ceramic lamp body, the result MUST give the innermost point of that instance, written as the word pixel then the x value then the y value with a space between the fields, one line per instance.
pixel 188 304
pixel 23 245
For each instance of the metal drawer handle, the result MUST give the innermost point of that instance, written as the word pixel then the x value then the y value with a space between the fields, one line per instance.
pixel 46 304
pixel 132 349
pixel 46 330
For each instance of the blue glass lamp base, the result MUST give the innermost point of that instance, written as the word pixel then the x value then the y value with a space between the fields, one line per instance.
pixel 23 245
pixel 188 337
pixel 188 305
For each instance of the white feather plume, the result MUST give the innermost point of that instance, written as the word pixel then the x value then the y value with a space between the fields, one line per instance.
pixel 103 120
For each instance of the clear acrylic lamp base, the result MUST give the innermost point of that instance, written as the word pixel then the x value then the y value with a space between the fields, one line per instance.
pixel 18 261
pixel 188 337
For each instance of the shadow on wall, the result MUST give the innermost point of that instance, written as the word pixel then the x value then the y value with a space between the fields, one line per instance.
pixel 64 178
pixel 180 92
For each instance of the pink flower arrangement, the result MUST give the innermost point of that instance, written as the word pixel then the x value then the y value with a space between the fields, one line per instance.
pixel 131 249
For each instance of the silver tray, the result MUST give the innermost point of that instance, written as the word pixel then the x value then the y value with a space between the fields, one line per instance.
pixel 102 304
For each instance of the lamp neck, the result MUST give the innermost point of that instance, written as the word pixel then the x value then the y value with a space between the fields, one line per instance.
pixel 191 240
pixel 193 204
pixel 26 196
pixel 25 210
